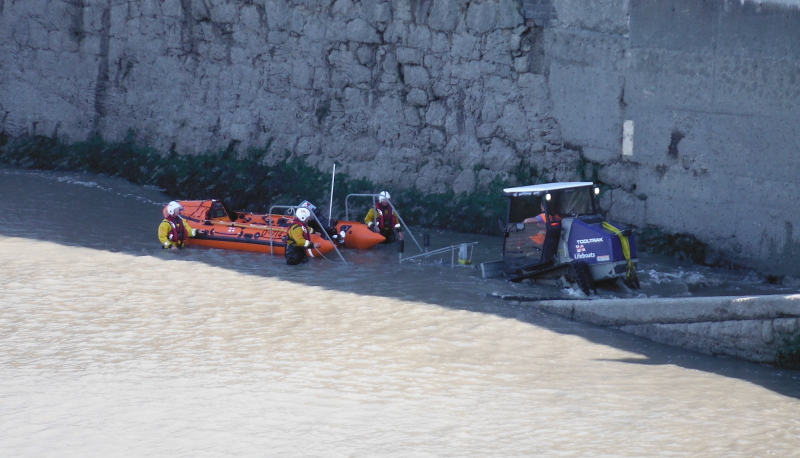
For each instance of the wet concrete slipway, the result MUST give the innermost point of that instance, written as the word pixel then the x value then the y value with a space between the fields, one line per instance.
pixel 110 346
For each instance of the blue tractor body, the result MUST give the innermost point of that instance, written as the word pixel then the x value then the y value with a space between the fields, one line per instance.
pixel 593 244
pixel 555 233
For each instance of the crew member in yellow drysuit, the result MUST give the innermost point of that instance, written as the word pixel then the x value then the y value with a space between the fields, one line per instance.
pixel 173 230
pixel 298 241
pixel 382 219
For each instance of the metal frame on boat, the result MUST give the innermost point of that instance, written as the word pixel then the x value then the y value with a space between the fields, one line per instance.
pixel 219 227
pixel 394 209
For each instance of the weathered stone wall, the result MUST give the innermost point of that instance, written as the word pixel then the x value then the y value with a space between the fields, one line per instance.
pixel 445 94
pixel 433 94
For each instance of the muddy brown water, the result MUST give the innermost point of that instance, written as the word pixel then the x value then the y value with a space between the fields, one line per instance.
pixel 109 345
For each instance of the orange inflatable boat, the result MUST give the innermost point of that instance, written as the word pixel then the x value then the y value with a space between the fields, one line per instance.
pixel 350 234
pixel 357 235
pixel 217 227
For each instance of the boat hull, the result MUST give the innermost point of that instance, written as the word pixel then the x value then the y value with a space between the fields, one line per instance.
pixel 358 235
pixel 249 232
pixel 259 247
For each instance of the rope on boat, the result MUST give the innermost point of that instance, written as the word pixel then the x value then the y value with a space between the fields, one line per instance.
pixel 321 254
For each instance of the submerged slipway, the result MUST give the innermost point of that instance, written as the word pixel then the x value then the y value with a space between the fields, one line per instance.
pixel 109 345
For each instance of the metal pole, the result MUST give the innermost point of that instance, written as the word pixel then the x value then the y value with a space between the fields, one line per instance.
pixel 333 179
pixel 401 247
pixel 399 218
pixel 327 236
pixel 451 249
pixel 406 225
pixel 271 209
pixel 294 209
pixel 346 204
pixel 347 199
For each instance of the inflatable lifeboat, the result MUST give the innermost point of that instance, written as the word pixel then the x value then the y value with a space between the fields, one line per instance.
pixel 355 234
pixel 218 227
pixel 358 235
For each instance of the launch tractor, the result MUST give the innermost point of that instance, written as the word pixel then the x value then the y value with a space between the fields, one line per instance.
pixel 554 234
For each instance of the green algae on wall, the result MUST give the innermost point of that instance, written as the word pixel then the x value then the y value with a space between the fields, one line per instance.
pixel 246 181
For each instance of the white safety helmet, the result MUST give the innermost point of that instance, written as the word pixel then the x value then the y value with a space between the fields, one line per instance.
pixel 173 208
pixel 302 214
pixel 307 205
pixel 383 196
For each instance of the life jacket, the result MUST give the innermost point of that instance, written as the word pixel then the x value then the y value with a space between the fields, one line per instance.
pixel 539 237
pixel 177 232
pixel 553 219
pixel 306 235
pixel 384 216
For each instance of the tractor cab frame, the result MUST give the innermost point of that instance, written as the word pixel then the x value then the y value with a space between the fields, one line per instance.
pixel 555 233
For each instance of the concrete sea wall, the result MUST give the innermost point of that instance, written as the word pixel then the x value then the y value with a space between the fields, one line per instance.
pixel 762 329
pixel 684 110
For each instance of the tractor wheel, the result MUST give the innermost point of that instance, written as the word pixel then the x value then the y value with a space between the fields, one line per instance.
pixel 579 273
pixel 632 281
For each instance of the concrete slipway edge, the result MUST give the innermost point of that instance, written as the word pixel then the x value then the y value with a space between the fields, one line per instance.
pixel 762 329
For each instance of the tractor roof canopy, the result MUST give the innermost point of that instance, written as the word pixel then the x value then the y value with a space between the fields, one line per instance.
pixel 561 199
pixel 534 188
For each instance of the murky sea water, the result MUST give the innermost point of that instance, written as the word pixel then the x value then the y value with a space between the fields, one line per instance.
pixel 110 346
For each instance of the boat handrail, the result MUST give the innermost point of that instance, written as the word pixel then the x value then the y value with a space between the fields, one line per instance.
pixel 396 213
pixel 347 208
pixel 294 208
